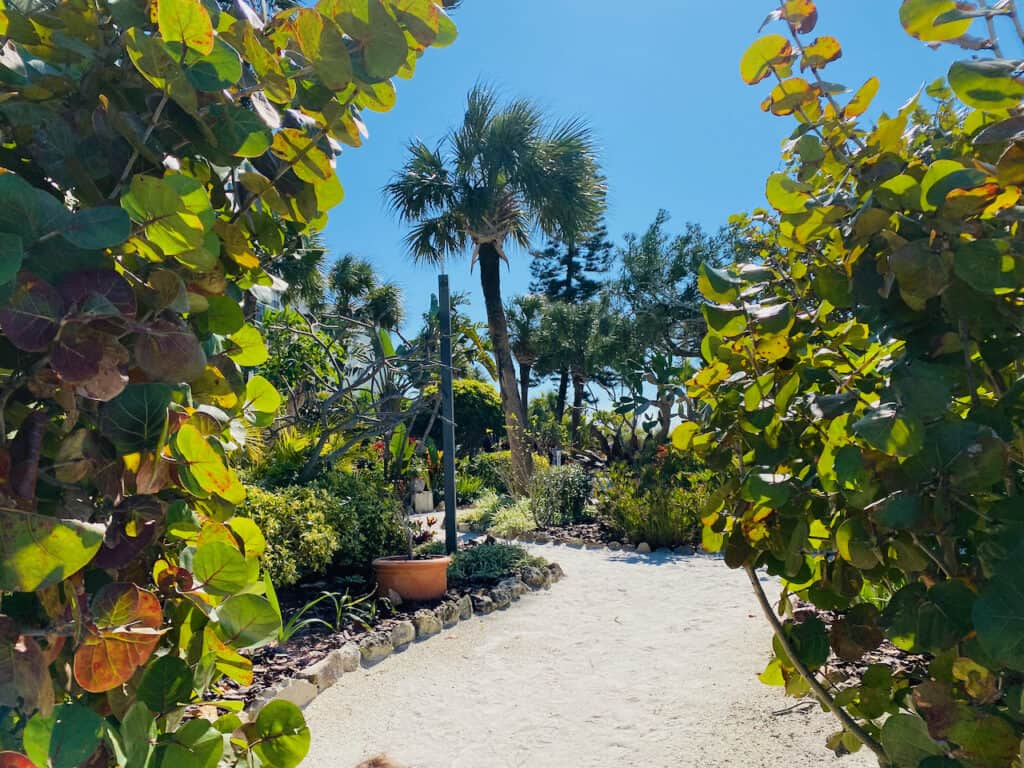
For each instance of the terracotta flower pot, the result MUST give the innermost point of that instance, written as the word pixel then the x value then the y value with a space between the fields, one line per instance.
pixel 425 579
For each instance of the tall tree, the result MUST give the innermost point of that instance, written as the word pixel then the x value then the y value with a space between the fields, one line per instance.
pixel 572 270
pixel 505 171
pixel 524 316
pixel 357 292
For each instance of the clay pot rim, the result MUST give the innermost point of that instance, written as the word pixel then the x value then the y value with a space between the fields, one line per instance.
pixel 403 561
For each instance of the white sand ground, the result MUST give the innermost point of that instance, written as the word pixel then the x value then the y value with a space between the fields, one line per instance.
pixel 629 661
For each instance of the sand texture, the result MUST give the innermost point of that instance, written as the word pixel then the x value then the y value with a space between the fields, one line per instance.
pixel 646 661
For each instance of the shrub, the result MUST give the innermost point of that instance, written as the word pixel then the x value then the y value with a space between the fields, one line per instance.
pixel 479 418
pixel 468 489
pixel 511 518
pixel 367 516
pixel 296 521
pixel 645 505
pixel 490 562
pixel 495 469
pixel 559 495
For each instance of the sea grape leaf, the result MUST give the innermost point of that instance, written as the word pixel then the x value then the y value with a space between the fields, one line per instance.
pixel 65 739
pixel 247 621
pixel 12 254
pixel 186 22
pixel 31 317
pixel 224 315
pixel 206 465
pixel 93 292
pixel 24 672
pixel 96 228
pixel 765 55
pixel 155 63
pixel 197 744
pixel 248 347
pixel 136 419
pixel 919 19
pixel 324 46
pixel 39 550
pixel 886 429
pixel 170 352
pixel 166 684
pixel 906 741
pixel 989 84
pixel 122 635
pixel 220 568
pixel 998 612
pixel 379 35
pixel 239 132
pixel 307 160
pixel 212 72
pixel 281 735
pixel 260 396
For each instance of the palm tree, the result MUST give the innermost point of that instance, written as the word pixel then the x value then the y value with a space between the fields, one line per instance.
pixel 359 294
pixel 524 315
pixel 493 179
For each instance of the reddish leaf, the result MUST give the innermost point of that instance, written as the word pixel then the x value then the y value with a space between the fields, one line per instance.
pixel 32 316
pixel 130 531
pixel 15 760
pixel 169 352
pixel 76 355
pixel 89 292
pixel 24 674
pixel 111 378
pixel 123 634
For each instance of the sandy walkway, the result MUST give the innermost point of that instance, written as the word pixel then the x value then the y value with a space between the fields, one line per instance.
pixel 628 661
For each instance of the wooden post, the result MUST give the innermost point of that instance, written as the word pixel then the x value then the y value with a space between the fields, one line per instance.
pixel 447 415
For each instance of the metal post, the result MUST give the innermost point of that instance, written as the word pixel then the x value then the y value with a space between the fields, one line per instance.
pixel 447 415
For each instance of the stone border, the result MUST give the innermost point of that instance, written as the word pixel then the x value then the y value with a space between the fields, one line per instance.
pixel 426 623
pixel 643 548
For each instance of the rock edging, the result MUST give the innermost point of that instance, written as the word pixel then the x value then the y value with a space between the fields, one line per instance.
pixel 426 623
pixel 643 548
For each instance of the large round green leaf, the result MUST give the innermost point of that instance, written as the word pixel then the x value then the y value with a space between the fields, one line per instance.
pixel 166 684
pixel 220 568
pixel 206 466
pixel 197 744
pixel 765 55
pixel 101 227
pixel 987 83
pixel 135 420
pixel 886 429
pixel 239 132
pixel 65 739
pixel 919 16
pixel 906 741
pixel 281 735
pixel 988 266
pixel 787 195
pixel 39 550
pixel 378 34
pixel 186 22
pixel 999 612
pixel 246 621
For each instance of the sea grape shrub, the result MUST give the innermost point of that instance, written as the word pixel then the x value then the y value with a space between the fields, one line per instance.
pixel 154 156
pixel 863 383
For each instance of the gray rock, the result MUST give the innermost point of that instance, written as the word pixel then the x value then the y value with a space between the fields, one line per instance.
pixel 403 633
pixel 643 548
pixel 298 692
pixel 426 622
pixel 483 605
pixel 375 647
pixel 465 604
pixel 533 577
pixel 394 598
pixel 462 527
pixel 526 536
pixel 614 546
pixel 574 543
pixel 350 657
pixel 686 550
pixel 541 538
pixel 548 578
pixel 447 613
pixel 663 551
pixel 593 545
pixel 502 597
pixel 510 585
pixel 324 673
pixel 557 574
pixel 627 547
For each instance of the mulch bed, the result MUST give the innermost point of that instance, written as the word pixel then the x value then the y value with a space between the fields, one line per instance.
pixel 593 532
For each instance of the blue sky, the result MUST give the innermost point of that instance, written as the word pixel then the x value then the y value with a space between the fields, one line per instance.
pixel 657 80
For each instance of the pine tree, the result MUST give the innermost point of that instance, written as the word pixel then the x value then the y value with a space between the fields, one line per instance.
pixel 571 271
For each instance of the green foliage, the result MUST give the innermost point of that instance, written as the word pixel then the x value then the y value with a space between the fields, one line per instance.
pixel 150 177
pixel 559 495
pixel 299 524
pixel 495 469
pixel 658 501
pixel 479 422
pixel 509 518
pixel 490 562
pixel 862 382
pixel 468 489
pixel 369 514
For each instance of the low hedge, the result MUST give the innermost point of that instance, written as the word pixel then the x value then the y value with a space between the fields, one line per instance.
pixel 495 469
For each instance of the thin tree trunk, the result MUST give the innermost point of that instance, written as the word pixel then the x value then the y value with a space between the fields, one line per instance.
pixel 578 384
pixel 563 390
pixel 511 402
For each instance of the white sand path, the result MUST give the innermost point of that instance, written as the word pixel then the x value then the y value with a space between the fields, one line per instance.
pixel 629 661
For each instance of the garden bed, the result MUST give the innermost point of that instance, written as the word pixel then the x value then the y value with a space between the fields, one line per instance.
pixel 482 591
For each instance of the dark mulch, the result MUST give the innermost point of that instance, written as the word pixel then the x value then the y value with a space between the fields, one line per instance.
pixel 594 532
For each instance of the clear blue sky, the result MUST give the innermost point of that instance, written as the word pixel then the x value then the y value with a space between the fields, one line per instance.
pixel 658 80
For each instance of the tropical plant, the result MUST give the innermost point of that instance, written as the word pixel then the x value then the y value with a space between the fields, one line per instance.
pixel 478 418
pixel 559 495
pixel 471 350
pixel 357 292
pixel 524 315
pixel 345 608
pixel 495 469
pixel 863 383
pixel 502 172
pixel 490 562
pixel 571 270
pixel 507 520
pixel 468 489
pixel 149 168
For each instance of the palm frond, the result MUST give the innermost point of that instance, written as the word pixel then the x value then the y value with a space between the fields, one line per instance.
pixel 423 187
pixel 433 239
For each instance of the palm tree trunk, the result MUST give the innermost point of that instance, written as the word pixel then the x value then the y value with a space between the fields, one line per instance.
pixel 524 387
pixel 512 404
pixel 563 390
pixel 578 383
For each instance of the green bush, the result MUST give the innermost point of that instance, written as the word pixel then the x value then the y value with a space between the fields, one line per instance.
pixel 489 562
pixel 495 469
pixel 468 488
pixel 511 518
pixel 368 515
pixel 559 495
pixel 480 422
pixel 301 541
pixel 647 504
